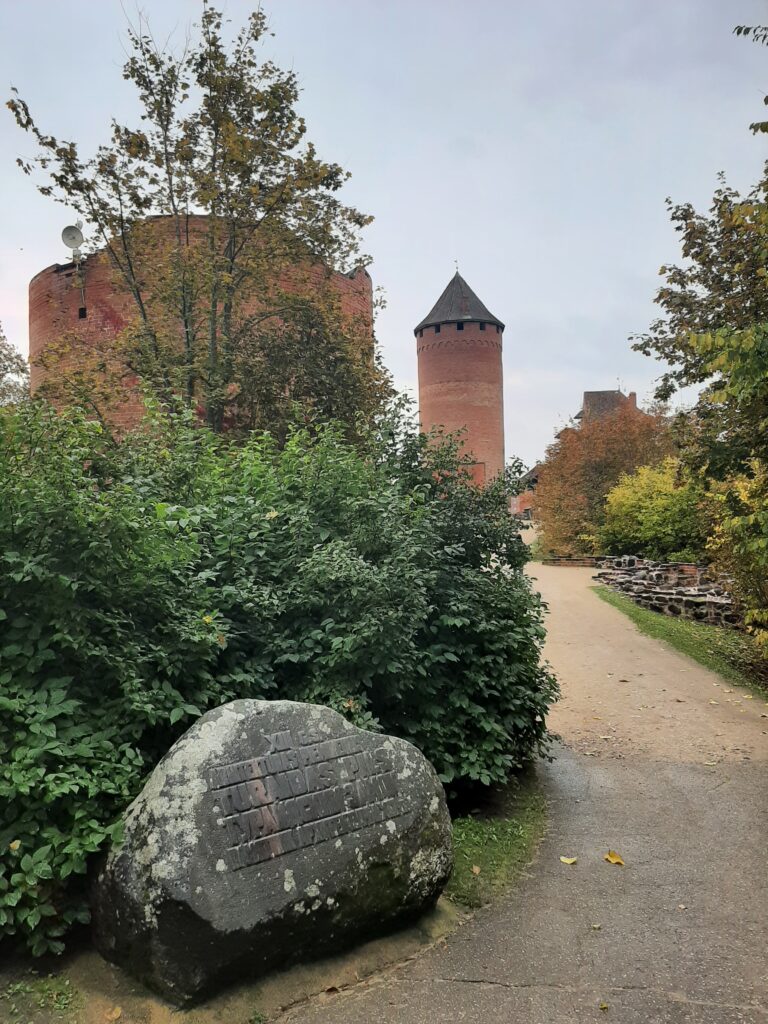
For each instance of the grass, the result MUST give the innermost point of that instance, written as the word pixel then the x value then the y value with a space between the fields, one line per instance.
pixel 492 847
pixel 732 654
pixel 38 999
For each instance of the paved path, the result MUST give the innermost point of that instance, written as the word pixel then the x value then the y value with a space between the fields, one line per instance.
pixel 665 763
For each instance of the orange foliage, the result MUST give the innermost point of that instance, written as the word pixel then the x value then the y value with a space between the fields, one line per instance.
pixel 583 464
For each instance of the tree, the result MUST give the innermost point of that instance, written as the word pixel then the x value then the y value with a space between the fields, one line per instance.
pixel 219 136
pixel 581 467
pixel 713 328
pixel 656 512
pixel 14 374
pixel 714 331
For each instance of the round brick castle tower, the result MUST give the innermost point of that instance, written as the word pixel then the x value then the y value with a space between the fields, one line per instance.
pixel 461 384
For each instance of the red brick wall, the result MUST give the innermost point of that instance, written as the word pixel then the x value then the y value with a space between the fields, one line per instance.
pixel 55 299
pixel 461 386
pixel 523 502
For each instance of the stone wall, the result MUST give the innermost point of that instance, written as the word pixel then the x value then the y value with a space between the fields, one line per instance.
pixel 682 589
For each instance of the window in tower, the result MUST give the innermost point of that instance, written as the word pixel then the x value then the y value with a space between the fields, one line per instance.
pixel 459 327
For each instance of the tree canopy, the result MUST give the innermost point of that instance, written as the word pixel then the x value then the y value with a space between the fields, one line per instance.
pixel 219 134
pixel 583 464
pixel 712 330
pixel 14 375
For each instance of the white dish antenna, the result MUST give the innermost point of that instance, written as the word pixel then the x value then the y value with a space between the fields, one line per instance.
pixel 72 237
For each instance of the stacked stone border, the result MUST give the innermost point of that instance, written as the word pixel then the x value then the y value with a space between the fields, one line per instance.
pixel 680 589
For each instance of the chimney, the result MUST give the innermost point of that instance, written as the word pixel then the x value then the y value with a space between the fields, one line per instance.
pixel 632 399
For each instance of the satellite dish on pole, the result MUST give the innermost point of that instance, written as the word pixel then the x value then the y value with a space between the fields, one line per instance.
pixel 72 237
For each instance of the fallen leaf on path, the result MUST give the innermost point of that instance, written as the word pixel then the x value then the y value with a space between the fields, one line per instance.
pixel 623 680
pixel 475 869
pixel 606 737
pixel 748 696
pixel 727 691
pixel 679 700
pixel 710 764
pixel 114 1014
pixel 714 702
pixel 681 906
pixel 614 858
pixel 568 860
pixel 603 1007
pixel 596 927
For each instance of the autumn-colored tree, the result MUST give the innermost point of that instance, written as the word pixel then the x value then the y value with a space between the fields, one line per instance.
pixel 714 331
pixel 211 212
pixel 714 324
pixel 581 467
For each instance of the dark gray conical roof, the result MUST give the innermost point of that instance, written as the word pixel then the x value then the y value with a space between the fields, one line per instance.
pixel 458 302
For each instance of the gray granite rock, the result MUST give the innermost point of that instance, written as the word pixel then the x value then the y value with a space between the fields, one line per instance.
pixel 271 832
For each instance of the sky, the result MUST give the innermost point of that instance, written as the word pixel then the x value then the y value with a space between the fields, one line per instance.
pixel 533 142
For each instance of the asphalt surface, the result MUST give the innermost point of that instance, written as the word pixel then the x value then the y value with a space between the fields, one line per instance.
pixel 661 761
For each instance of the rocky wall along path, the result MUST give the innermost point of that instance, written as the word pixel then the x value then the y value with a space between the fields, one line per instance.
pixel 682 590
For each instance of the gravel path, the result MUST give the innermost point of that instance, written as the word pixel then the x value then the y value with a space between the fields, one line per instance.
pixel 662 761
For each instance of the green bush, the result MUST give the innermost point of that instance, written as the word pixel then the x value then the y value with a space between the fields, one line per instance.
pixel 145 582
pixel 656 513
pixel 739 543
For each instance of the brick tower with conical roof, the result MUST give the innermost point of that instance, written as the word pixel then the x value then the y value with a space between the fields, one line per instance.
pixel 461 383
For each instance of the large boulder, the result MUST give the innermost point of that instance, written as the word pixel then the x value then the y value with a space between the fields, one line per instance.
pixel 271 832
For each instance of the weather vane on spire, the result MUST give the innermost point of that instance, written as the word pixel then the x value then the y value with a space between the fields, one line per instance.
pixel 457 265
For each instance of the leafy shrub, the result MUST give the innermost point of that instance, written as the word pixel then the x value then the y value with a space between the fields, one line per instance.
pixel 145 582
pixel 657 513
pixel 739 543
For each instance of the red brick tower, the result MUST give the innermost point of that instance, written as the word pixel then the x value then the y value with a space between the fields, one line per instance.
pixel 460 375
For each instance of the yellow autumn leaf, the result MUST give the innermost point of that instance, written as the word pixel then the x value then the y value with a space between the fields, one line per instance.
pixel 114 1014
pixel 475 869
pixel 614 858
pixel 603 1007
pixel 14 845
pixel 273 514
pixel 568 860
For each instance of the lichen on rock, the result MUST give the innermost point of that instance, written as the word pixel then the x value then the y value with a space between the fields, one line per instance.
pixel 270 833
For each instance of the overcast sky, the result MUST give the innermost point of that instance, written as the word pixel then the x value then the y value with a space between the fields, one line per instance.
pixel 535 142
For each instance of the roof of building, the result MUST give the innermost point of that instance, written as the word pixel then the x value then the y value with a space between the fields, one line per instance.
pixel 531 478
pixel 602 403
pixel 458 302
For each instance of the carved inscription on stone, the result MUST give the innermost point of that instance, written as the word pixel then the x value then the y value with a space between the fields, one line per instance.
pixel 299 794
